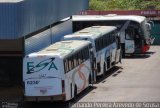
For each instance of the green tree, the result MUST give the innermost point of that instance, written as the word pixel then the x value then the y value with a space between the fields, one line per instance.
pixel 124 4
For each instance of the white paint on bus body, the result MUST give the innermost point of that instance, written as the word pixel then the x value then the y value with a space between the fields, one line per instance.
pixel 45 72
pixel 93 34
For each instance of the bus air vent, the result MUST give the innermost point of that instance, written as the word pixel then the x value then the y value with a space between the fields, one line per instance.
pixel 96 26
pixel 66 41
pixel 53 49
pixel 84 32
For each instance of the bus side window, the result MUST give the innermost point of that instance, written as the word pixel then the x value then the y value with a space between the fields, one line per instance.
pixel 109 39
pixel 83 53
pixel 66 65
pixel 113 37
pixel 79 58
pixel 96 44
pixel 82 56
pixel 75 60
pixel 100 43
pixel 87 52
pixel 106 40
pixel 65 68
pixel 70 63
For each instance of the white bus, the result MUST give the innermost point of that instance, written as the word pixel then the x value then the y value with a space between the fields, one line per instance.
pixel 59 72
pixel 134 30
pixel 105 43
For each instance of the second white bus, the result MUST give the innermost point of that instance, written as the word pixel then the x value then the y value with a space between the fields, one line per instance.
pixel 134 31
pixel 105 43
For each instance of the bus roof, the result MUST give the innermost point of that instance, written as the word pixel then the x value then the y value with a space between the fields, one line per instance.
pixel 93 32
pixel 10 1
pixel 135 18
pixel 62 48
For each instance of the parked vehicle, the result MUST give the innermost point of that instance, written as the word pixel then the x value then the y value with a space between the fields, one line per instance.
pixel 58 72
pixel 66 68
pixel 105 43
pixel 134 30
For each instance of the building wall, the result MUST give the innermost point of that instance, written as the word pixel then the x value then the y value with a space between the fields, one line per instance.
pixel 21 17
pixel 47 37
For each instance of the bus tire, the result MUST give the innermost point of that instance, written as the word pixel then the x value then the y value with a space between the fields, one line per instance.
pixel 75 92
pixel 120 58
pixel 123 53
pixel 90 81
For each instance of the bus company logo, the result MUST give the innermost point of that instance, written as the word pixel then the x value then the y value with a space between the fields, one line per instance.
pixel 32 68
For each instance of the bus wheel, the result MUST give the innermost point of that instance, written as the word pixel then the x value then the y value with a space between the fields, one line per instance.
pixel 123 52
pixel 75 93
pixel 120 58
pixel 90 81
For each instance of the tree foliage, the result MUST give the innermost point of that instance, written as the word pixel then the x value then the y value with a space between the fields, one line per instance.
pixel 124 4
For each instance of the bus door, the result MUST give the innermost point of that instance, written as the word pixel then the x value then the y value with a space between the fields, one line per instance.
pixel 129 41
